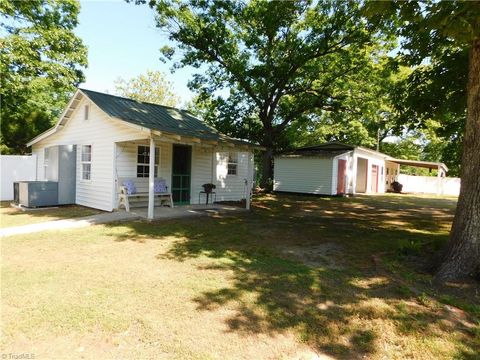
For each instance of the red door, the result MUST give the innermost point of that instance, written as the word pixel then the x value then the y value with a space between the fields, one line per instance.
pixel 342 171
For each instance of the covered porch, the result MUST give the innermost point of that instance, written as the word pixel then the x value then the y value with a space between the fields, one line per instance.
pixel 183 164
pixel 371 172
pixel 417 184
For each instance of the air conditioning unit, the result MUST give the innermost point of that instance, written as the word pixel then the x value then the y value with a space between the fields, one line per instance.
pixel 60 175
pixel 36 193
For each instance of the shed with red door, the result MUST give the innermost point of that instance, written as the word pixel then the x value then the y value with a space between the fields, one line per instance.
pixel 334 169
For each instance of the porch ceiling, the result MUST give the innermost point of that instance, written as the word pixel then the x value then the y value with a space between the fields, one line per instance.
pixel 187 140
pixel 422 164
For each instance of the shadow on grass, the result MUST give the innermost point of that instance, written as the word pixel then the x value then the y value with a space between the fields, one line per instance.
pixel 341 310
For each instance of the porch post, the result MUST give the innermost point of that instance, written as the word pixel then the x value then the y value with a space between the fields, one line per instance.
pixel 214 165
pixel 151 180
pixel 249 182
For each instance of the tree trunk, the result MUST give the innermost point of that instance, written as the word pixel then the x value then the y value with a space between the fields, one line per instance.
pixel 461 258
pixel 267 169
pixel 267 159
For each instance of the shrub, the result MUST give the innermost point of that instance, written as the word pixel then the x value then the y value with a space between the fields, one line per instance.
pixel 397 187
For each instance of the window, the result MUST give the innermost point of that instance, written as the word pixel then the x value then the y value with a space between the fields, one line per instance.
pixel 46 158
pixel 86 162
pixel 232 163
pixel 86 110
pixel 143 161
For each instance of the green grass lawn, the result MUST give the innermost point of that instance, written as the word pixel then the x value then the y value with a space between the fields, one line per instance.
pixel 298 276
pixel 10 216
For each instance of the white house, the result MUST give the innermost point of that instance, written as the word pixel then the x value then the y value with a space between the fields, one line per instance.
pixel 336 169
pixel 117 138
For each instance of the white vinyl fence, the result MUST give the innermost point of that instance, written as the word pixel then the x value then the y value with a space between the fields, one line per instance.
pixel 16 168
pixel 430 184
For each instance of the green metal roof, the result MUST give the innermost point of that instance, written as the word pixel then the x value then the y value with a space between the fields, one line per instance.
pixel 157 117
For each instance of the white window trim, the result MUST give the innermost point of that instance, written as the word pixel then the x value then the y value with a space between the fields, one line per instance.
pixel 235 156
pixel 83 162
pixel 45 162
pixel 157 162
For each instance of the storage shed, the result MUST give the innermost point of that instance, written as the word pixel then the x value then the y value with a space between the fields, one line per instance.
pixel 335 169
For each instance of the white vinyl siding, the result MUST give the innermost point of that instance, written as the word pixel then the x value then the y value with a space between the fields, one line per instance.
pixel 310 175
pixel 373 159
pixel 101 132
pixel 231 188
pixel 202 171
pixel 126 161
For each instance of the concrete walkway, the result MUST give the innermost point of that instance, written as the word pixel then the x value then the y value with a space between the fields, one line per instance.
pixel 141 213
pixel 69 223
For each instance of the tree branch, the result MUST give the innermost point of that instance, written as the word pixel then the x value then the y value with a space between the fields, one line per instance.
pixel 237 77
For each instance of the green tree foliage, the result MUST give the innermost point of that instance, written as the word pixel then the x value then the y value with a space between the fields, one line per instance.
pixel 282 61
pixel 366 116
pixel 150 87
pixel 41 62
pixel 435 45
pixel 444 34
pixel 423 144
pixel 437 91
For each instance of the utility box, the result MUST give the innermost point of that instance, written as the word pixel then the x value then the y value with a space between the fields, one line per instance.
pixel 60 166
pixel 36 193
pixel 60 175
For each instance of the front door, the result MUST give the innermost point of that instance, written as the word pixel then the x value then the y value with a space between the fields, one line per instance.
pixel 181 174
pixel 342 171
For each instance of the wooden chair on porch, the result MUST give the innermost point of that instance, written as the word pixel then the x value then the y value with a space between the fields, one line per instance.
pixel 134 193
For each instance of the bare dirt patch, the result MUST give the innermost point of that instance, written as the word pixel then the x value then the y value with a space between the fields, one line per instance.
pixel 326 254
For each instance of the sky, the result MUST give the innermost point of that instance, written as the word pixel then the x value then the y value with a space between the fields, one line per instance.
pixel 123 41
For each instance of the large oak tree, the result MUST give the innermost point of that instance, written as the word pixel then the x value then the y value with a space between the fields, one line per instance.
pixel 280 60
pixel 443 34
